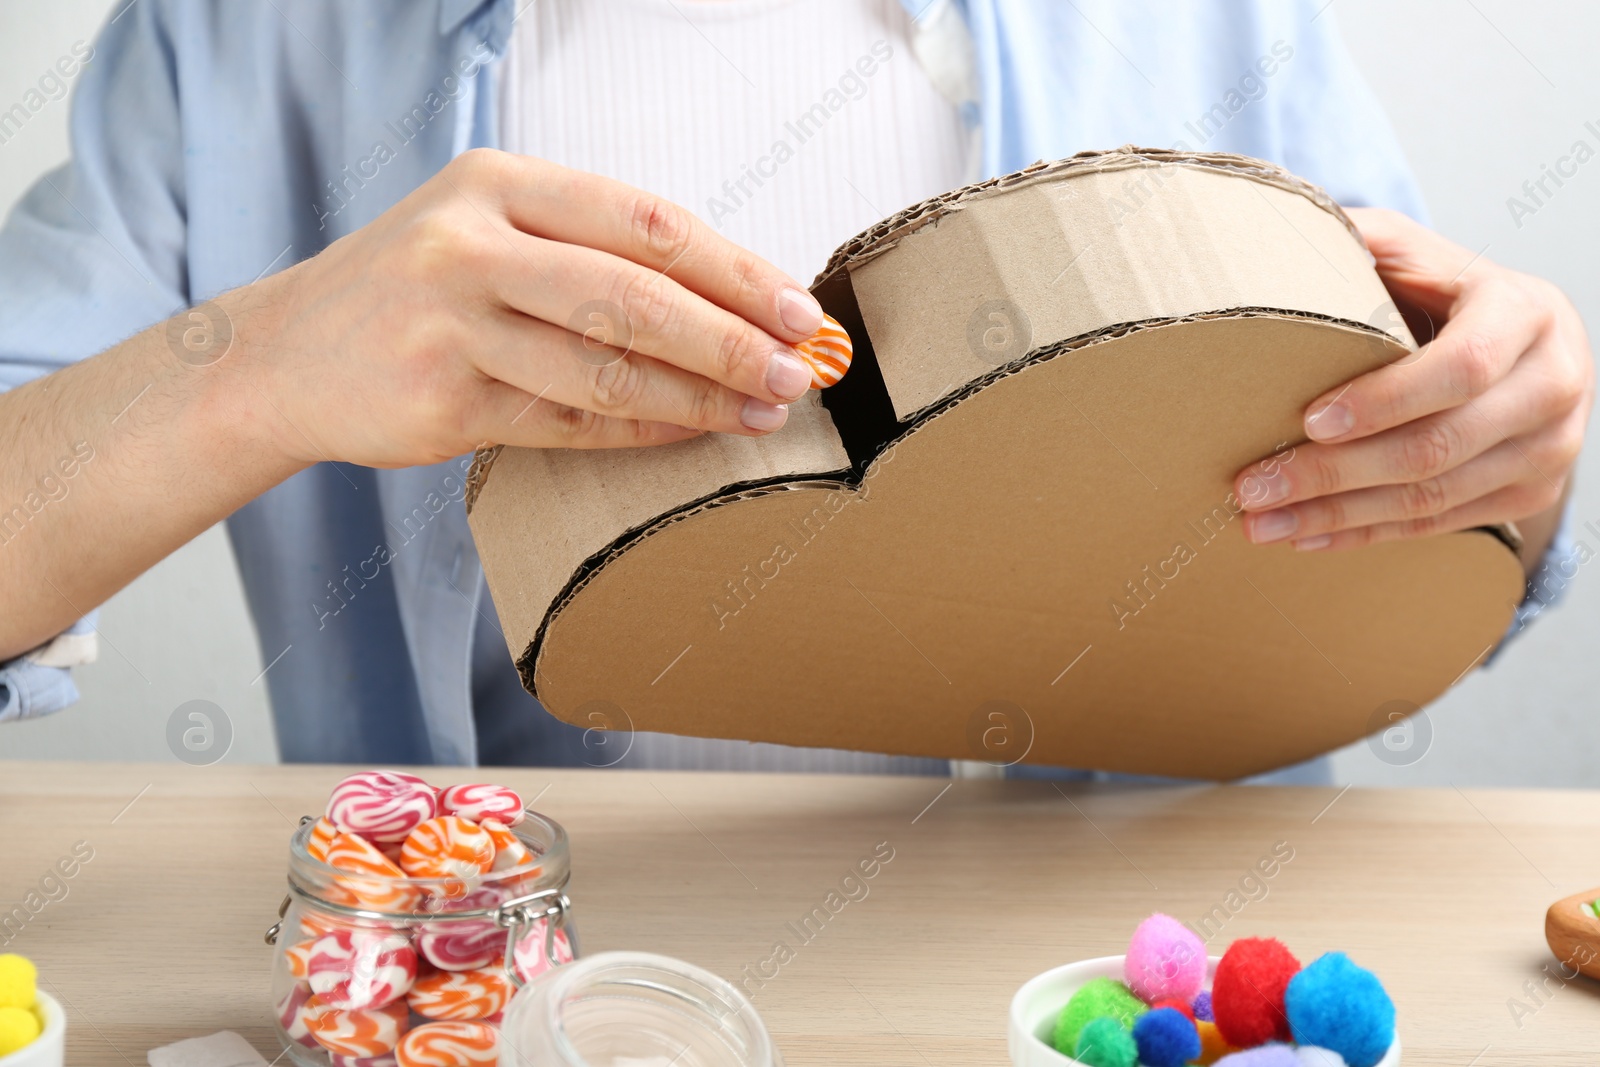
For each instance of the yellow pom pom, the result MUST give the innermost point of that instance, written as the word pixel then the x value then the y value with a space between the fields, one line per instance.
pixel 18 981
pixel 18 1027
pixel 1212 1045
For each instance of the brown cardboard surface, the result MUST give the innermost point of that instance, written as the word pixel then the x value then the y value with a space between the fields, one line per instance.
pixel 1050 537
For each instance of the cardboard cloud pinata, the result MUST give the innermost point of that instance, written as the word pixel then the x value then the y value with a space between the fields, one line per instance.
pixel 1015 512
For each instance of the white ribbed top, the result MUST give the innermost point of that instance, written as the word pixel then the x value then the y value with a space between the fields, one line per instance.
pixel 789 125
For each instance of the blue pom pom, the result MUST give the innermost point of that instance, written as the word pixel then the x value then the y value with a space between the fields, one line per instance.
pixel 1336 1005
pixel 1166 1038
pixel 1202 1007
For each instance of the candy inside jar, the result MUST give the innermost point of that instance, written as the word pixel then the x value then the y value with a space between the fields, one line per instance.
pixel 413 915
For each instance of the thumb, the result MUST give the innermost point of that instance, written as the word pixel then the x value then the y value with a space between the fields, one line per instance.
pixel 1419 267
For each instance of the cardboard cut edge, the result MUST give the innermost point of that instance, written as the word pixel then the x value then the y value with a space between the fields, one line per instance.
pixel 848 480
pixel 884 235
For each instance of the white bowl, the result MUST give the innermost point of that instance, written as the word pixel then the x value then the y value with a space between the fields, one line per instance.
pixel 49 1049
pixel 1040 1000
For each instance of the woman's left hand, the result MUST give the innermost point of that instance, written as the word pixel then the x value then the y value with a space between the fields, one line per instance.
pixel 1481 426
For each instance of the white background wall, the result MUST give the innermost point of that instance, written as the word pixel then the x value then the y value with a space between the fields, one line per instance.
pixel 1482 92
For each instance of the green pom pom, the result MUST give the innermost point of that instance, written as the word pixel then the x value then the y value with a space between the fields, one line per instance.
pixel 1095 998
pixel 1105 1042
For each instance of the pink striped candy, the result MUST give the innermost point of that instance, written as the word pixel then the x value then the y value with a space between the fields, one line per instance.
pixel 385 1060
pixel 464 944
pixel 476 801
pixel 382 806
pixel 294 1016
pixel 359 970
pixel 528 958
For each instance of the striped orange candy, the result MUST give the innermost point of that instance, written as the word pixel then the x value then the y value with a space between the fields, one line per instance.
pixel 322 834
pixel 509 851
pixel 373 883
pixel 461 996
pixel 828 352
pixel 449 1045
pixel 357 1032
pixel 449 846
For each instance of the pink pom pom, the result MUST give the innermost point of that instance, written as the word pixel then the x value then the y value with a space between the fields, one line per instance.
pixel 1165 959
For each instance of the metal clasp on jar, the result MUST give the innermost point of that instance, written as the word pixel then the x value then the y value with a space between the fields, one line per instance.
pixel 550 905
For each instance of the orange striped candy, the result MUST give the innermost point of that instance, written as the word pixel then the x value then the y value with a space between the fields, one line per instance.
pixel 357 1032
pixel 509 851
pixel 373 882
pixel 461 995
pixel 322 835
pixel 449 1045
pixel 448 847
pixel 828 352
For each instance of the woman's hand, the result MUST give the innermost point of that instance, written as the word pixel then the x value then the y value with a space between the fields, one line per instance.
pixel 512 301
pixel 1481 426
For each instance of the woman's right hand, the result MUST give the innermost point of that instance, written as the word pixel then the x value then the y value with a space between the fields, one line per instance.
pixel 512 301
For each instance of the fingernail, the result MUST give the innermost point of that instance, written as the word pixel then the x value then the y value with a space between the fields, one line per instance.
pixel 1259 490
pixel 1333 421
pixel 800 311
pixel 1311 544
pixel 787 375
pixel 760 415
pixel 1273 526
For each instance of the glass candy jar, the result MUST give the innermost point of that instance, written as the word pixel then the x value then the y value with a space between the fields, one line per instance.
pixel 360 960
pixel 637 1009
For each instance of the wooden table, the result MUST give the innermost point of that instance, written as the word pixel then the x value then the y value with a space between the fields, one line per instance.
pixel 1441 892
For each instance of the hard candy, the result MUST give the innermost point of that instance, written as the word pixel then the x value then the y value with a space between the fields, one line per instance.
pixel 321 837
pixel 385 1060
pixel 294 1016
pixel 449 1044
pixel 382 806
pixel 358 969
pixel 372 881
pixel 827 352
pixel 509 851
pixel 528 957
pixel 449 847
pixel 464 944
pixel 477 801
pixel 359 1033
pixel 461 995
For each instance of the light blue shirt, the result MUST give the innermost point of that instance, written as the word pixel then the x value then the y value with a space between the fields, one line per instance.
pixel 214 142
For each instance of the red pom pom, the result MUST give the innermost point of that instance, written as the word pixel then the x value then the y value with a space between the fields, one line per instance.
pixel 1175 1004
pixel 1247 994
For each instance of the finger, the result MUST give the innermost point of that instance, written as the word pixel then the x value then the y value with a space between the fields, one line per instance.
pixel 1475 350
pixel 509 416
pixel 555 364
pixel 1500 466
pixel 1498 507
pixel 630 307
pixel 577 208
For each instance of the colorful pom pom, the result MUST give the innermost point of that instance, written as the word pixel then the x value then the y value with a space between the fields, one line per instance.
pixel 1166 1038
pixel 1336 1005
pixel 1213 1046
pixel 1165 959
pixel 18 1028
pixel 1273 1055
pixel 19 981
pixel 1176 1005
pixel 1095 998
pixel 1105 1042
pixel 1202 1007
pixel 1247 993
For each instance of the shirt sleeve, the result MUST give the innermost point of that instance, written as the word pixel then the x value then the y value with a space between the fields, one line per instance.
pixel 93 253
pixel 1334 130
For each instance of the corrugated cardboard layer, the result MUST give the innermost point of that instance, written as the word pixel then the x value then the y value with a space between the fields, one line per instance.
pixel 539 514
pixel 1100 246
pixel 988 555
